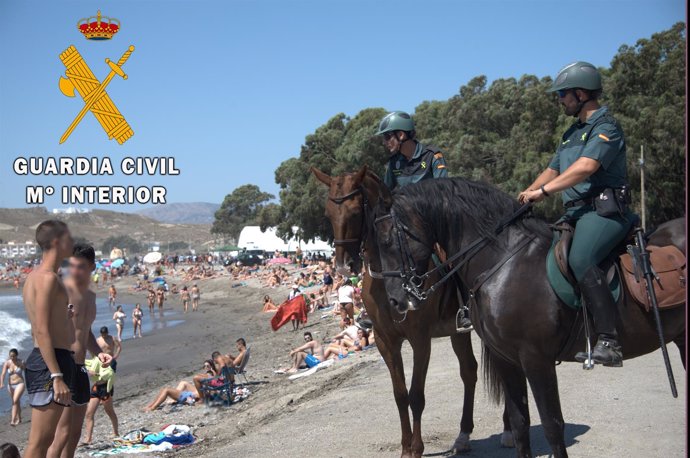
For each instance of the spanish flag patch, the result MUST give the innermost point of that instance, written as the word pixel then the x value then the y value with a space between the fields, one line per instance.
pixel 440 166
pixel 603 137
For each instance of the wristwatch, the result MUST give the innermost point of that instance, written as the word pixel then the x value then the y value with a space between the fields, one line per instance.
pixel 543 191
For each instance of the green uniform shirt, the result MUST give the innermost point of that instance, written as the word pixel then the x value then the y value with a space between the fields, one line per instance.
pixel 600 138
pixel 426 162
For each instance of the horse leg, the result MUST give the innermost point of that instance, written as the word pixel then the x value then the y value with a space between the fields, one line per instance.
pixel 462 346
pixel 544 383
pixel 507 434
pixel 517 408
pixel 390 352
pixel 680 343
pixel 421 353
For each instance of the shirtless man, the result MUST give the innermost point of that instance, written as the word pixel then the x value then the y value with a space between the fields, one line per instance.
pixel 235 361
pixel 310 354
pixel 50 369
pixel 109 346
pixel 83 301
pixel 112 295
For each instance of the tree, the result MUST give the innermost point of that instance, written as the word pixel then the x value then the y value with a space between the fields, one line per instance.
pixel 341 145
pixel 239 208
pixel 646 91
pixel 506 133
pixel 123 242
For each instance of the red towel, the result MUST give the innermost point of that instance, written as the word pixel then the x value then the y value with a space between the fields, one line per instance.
pixel 296 309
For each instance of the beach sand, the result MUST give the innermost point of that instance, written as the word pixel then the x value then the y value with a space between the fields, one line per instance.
pixel 347 410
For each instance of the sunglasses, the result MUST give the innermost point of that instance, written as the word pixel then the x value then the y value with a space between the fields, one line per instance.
pixel 388 135
pixel 562 93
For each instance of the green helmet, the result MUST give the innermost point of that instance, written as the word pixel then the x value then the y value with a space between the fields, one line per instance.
pixel 396 120
pixel 578 75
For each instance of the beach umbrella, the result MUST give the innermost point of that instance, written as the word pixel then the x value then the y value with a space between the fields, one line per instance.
pixel 117 263
pixel 279 261
pixel 152 257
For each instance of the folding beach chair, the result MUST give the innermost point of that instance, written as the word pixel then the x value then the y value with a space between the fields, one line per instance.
pixel 218 389
pixel 241 370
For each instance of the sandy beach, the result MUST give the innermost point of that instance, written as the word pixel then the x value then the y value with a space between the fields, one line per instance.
pixel 347 410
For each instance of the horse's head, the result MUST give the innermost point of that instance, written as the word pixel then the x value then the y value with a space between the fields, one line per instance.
pixel 345 210
pixel 405 248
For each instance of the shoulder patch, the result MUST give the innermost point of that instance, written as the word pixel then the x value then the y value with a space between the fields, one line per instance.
pixel 603 137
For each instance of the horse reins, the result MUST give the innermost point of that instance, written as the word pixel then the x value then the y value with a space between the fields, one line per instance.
pixel 413 283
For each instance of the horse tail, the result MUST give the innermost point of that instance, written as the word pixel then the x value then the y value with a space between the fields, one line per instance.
pixel 492 377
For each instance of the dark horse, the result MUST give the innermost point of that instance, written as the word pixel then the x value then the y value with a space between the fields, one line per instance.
pixel 350 210
pixel 523 325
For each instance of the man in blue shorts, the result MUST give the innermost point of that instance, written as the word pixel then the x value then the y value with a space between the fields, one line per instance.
pixel 310 354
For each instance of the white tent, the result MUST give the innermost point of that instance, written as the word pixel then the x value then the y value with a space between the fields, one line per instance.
pixel 251 238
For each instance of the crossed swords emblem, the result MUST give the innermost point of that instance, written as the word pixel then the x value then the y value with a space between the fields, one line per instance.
pixel 79 77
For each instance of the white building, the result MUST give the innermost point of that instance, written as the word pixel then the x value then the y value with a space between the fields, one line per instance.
pixel 70 210
pixel 18 250
pixel 251 238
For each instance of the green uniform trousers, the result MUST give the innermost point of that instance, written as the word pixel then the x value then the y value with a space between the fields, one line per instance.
pixel 594 238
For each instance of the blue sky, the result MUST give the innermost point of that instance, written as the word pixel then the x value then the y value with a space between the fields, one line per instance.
pixel 231 88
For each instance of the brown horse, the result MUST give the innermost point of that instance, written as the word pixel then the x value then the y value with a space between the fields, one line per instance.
pixel 521 321
pixel 350 203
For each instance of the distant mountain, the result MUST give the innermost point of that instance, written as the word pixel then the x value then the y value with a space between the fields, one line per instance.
pixel 182 213
pixel 19 225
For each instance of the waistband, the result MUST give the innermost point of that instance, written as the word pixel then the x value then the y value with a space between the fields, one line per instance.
pixel 58 351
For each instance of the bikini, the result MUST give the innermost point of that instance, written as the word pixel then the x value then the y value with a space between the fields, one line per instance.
pixel 17 371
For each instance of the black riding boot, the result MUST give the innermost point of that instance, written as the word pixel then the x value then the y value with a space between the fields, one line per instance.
pixel 599 301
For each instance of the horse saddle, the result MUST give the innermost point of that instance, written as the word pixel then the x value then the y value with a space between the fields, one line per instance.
pixel 668 262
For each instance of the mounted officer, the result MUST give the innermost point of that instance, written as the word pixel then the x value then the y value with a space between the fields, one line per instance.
pixel 589 169
pixel 411 162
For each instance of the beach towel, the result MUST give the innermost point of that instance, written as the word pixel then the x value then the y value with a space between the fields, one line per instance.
pixel 313 370
pixel 293 309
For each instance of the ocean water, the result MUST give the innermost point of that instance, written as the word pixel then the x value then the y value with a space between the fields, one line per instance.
pixel 15 330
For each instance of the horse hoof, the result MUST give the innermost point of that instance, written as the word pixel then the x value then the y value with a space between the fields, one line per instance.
pixel 462 444
pixel 507 439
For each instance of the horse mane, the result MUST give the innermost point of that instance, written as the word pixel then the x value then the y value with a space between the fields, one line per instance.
pixel 442 201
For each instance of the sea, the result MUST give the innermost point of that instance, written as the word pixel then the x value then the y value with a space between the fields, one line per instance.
pixel 15 330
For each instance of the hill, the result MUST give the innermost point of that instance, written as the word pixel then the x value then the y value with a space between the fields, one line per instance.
pixel 19 224
pixel 182 212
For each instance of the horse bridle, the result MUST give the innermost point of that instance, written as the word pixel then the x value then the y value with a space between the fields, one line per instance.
pixel 413 283
pixel 339 200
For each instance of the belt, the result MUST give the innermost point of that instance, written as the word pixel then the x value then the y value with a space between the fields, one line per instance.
pixel 579 202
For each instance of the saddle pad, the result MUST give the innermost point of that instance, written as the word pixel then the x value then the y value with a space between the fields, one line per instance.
pixel 565 291
pixel 669 263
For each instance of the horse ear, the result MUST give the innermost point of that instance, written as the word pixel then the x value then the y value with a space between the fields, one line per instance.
pixel 361 173
pixel 322 177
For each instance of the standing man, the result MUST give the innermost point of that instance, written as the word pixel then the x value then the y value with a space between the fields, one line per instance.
pixel 50 369
pixel 411 162
pixel 83 301
pixel 109 346
pixel 589 169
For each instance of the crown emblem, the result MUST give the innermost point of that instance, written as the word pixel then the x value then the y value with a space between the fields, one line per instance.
pixel 98 27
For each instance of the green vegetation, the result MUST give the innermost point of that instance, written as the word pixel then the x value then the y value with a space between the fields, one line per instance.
pixel 506 133
pixel 123 242
pixel 239 208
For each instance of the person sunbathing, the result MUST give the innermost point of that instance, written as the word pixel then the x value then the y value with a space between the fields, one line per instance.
pixel 308 355
pixel 184 393
pixel 269 305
